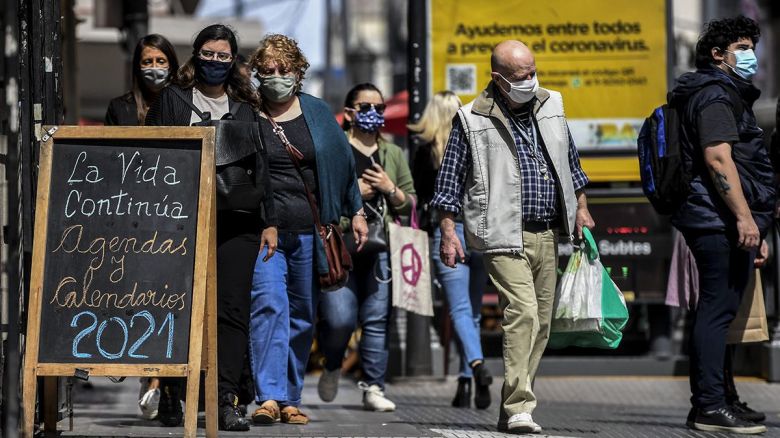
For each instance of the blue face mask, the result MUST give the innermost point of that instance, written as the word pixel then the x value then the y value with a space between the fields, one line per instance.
pixel 369 121
pixel 747 63
pixel 212 72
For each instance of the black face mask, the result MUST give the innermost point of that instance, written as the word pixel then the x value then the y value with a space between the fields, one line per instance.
pixel 212 72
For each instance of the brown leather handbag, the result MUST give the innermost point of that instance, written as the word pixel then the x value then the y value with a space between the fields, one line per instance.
pixel 336 253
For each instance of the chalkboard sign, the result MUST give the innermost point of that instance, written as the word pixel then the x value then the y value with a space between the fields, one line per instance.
pixel 123 257
pixel 120 251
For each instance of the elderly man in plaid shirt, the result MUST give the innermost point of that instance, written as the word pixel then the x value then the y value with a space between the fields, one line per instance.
pixel 512 174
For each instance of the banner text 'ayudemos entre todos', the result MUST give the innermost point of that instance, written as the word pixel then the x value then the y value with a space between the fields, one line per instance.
pixel 607 58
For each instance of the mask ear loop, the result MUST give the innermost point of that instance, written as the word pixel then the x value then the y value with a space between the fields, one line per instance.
pixel 723 61
pixel 733 69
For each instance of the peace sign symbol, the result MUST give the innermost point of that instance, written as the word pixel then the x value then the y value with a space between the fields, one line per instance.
pixel 411 264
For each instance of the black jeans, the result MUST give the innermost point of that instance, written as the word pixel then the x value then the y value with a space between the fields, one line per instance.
pixel 723 274
pixel 238 244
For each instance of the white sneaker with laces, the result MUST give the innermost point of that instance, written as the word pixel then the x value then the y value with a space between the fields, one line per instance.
pixel 149 404
pixel 328 385
pixel 374 399
pixel 522 422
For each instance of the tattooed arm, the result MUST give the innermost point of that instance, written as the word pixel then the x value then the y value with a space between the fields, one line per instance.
pixel 726 179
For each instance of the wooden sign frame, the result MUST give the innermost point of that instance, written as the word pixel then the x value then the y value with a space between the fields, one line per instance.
pixel 202 354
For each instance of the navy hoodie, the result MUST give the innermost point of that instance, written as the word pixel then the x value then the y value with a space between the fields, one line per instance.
pixel 704 208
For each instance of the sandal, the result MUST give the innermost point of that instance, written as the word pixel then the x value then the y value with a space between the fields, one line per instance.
pixel 267 413
pixel 293 415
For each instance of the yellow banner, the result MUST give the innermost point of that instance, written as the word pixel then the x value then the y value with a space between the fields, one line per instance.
pixel 607 57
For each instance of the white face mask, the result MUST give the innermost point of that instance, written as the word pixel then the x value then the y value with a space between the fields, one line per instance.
pixel 522 91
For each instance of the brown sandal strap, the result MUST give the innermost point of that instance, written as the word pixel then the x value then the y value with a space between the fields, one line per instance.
pixel 269 410
pixel 293 415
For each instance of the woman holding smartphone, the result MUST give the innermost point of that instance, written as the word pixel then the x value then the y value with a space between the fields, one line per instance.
pixel 388 191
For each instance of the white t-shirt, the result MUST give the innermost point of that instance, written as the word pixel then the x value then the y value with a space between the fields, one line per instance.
pixel 218 107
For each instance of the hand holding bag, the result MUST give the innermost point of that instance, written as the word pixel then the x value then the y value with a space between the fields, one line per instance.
pixel 339 260
pixel 376 240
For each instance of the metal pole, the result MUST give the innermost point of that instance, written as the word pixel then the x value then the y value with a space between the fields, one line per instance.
pixel 135 25
pixel 327 79
pixel 417 70
pixel 418 335
pixel 70 87
pixel 34 65
pixel 9 126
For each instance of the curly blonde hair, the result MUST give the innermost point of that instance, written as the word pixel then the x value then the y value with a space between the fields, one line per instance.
pixel 282 49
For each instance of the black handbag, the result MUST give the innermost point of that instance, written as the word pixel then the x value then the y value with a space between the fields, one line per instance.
pixel 376 240
pixel 240 157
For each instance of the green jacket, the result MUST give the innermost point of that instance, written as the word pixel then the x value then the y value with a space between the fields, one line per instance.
pixel 392 159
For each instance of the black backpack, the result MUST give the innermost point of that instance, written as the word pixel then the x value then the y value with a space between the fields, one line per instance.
pixel 665 181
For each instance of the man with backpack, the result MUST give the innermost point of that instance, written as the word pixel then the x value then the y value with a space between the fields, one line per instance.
pixel 727 207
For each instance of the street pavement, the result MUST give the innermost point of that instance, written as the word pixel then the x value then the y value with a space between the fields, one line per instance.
pixel 569 407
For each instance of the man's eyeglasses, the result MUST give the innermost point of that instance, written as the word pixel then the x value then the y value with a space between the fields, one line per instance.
pixel 208 55
pixel 365 107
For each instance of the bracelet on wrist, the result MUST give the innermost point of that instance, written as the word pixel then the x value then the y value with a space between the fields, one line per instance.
pixel 363 214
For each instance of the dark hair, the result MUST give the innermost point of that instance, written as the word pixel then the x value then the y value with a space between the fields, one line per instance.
pixel 351 99
pixel 721 34
pixel 141 93
pixel 237 85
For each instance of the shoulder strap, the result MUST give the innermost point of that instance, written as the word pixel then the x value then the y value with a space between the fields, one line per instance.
pixel 736 101
pixel 177 91
pixel 296 156
pixel 234 108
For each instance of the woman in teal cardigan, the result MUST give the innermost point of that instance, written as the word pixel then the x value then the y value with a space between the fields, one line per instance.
pixel 285 287
pixel 388 191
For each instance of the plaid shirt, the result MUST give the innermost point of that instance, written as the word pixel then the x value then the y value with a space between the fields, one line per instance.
pixel 540 195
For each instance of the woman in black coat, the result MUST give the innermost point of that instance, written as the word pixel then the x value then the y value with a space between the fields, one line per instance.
pixel 212 82
pixel 154 67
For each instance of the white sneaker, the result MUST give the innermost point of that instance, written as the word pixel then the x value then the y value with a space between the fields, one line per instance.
pixel 374 399
pixel 522 422
pixel 328 385
pixel 149 403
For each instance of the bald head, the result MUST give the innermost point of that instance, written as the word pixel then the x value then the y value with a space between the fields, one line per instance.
pixel 512 62
pixel 511 57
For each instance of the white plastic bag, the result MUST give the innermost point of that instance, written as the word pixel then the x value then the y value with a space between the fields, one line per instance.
pixel 589 310
pixel 577 306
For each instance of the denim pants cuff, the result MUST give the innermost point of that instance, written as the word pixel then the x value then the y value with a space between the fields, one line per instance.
pixel 381 385
pixel 294 403
pixel 261 398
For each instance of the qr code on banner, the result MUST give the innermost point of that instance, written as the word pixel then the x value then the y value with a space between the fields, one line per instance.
pixel 462 78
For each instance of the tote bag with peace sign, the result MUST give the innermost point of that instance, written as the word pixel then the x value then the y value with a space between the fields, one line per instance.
pixel 411 267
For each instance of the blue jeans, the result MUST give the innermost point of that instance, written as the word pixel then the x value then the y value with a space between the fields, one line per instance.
pixel 463 286
pixel 284 302
pixel 366 300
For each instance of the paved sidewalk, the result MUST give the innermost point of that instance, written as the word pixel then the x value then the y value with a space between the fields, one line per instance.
pixel 569 407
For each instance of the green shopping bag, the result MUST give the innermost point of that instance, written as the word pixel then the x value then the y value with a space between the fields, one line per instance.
pixel 589 309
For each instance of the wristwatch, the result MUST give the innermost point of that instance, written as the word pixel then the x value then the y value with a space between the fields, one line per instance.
pixel 392 193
